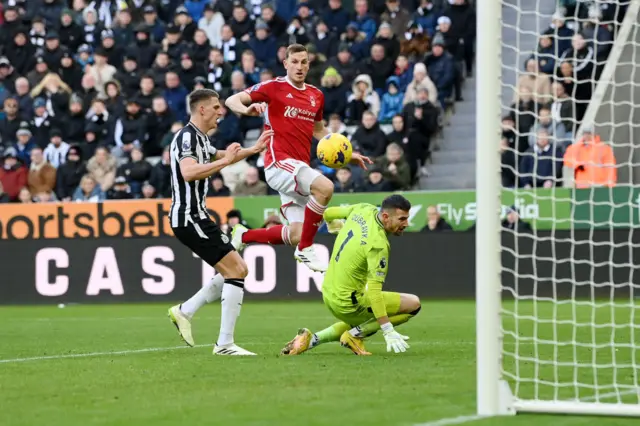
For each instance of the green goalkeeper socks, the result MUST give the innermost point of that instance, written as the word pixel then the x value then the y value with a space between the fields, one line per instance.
pixel 332 333
pixel 371 327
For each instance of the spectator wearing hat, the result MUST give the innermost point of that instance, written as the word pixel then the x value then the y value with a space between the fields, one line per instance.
pixel 396 15
pixel 173 43
pixel 378 66
pixel 12 23
pixel 218 188
pixel 55 93
pixel 42 175
pixel 560 34
pixel 143 48
pixel 211 23
pixel 421 122
pixel 376 182
pixel 88 191
pixel 188 71
pixel 159 123
pixel 415 42
pixel 157 29
pixel 388 40
pixel 234 217
pixel 123 28
pixel 185 23
pixel 277 25
pixel 20 52
pixel 74 121
pixel 38 32
pixel 365 23
pixel 101 70
pixel 84 56
pixel 56 152
pixel 369 137
pixel 9 122
pixel 70 71
pixel 391 100
pixel 129 76
pixel 263 45
pixel 344 182
pixel 356 41
pixel 218 72
pixel 463 27
pixel 362 98
pixel 13 174
pixel 24 144
pixel 336 17
pixel 148 191
pixel 441 69
pixel 317 65
pixel 50 10
pixel 102 168
pixel 42 122
pixel 161 175
pixel 137 171
pixel 71 34
pixel 325 41
pixel 52 51
pixel 37 74
pixel 200 83
pixel 344 63
pixel 199 49
pixel 592 161
pixel 130 130
pixel 112 50
pixel 176 95
pixel 427 16
pixel 420 79
pixel 69 174
pixel 335 92
pixel 91 27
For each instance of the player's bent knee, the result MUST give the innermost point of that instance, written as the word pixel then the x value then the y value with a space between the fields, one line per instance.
pixel 410 304
pixel 233 266
pixel 322 188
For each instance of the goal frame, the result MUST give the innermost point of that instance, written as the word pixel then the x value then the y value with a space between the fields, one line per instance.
pixel 494 396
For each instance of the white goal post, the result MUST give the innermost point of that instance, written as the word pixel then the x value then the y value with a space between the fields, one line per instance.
pixel 557 320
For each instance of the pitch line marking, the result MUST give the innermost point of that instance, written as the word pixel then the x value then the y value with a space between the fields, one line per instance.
pixel 453 420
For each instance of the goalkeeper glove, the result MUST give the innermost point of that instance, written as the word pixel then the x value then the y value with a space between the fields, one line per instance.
pixel 395 340
pixel 335 226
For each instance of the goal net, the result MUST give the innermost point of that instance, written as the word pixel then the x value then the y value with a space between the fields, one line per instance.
pixel 567 339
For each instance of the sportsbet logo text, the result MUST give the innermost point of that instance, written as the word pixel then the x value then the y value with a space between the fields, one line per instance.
pixel 120 219
pixel 303 114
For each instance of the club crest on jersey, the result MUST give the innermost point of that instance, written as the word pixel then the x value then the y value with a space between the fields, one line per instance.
pixel 225 239
pixel 256 87
pixel 313 100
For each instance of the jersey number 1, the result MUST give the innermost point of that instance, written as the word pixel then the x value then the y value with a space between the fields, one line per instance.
pixel 344 243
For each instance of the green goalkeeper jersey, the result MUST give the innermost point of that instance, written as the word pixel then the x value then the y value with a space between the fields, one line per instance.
pixel 360 256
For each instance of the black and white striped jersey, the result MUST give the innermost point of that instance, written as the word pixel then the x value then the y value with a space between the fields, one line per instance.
pixel 188 199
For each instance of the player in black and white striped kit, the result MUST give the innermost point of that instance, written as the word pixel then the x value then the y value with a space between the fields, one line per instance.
pixel 193 161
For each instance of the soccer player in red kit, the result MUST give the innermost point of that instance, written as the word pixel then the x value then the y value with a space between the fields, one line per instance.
pixel 293 110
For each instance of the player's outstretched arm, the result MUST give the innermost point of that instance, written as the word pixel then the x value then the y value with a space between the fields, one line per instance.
pixel 242 104
pixel 259 146
pixel 192 170
pixel 336 213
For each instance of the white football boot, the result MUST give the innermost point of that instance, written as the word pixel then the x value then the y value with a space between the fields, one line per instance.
pixel 231 349
pixel 182 323
pixel 236 237
pixel 309 257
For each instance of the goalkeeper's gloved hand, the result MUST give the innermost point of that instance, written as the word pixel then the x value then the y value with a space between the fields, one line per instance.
pixel 395 340
pixel 335 226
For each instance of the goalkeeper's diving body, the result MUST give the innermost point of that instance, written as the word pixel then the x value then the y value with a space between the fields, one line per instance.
pixel 352 288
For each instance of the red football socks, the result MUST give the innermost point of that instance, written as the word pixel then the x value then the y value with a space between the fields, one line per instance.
pixel 312 220
pixel 278 234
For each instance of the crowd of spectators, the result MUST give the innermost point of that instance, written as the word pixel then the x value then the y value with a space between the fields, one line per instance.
pixel 551 97
pixel 92 91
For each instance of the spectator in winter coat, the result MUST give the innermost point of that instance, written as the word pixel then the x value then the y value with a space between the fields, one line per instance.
pixel 420 80
pixel 277 25
pixel 42 175
pixel 509 164
pixel 101 70
pixel 249 68
pixel 378 66
pixel 395 168
pixel 404 72
pixel 114 52
pixel 546 54
pixel 376 182
pixel 539 84
pixel 129 76
pixel 560 33
pixel 42 123
pixel 592 160
pixel 344 183
pixel 157 29
pixel 263 45
pixel 13 174
pixel 24 144
pixel 514 223
pixel 23 96
pixel 335 93
pixel 388 40
pixel 185 24
pixel 391 101
pixel 102 168
pixel 325 41
pixel 10 122
pixel 241 23
pixel 541 166
pixel 211 23
pixel 435 222
pixel 251 185
pixel 56 152
pixel 144 48
pixel 114 102
pixel 427 16
pixel 228 130
pixel 397 16
pixel 441 67
pixel 137 171
pixel 70 71
pixel 317 65
pixel 362 98
pixel 463 27
pixel 160 177
pixel 130 131
pixel 357 41
pixel 158 124
pixel 415 42
pixel 369 137
pixel 4 197
pixel 421 122
pixel 176 96
pixel 69 174
pixel 344 63
pixel 88 190
pixel 563 109
pixel 556 130
pixel 366 24
pixel 20 52
pixel 71 34
pixel 336 17
pixel 55 94
pixel 218 188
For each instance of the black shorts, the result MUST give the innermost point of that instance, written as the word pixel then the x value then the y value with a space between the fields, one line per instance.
pixel 205 239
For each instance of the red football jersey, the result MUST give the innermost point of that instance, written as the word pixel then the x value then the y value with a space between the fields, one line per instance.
pixel 291 114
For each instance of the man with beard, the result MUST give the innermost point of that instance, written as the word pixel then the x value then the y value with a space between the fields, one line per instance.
pixel 69 174
pixel 21 52
pixel 10 123
pixel 52 51
pixel 159 123
pixel 70 72
pixel 129 131
pixel 71 35
pixel 129 77
pixel 144 48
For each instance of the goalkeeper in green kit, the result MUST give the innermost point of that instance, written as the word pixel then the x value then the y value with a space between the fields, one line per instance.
pixel 352 288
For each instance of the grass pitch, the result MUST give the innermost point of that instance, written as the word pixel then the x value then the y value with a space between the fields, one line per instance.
pixel 132 369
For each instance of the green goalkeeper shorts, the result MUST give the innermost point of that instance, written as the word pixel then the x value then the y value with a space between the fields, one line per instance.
pixel 357 309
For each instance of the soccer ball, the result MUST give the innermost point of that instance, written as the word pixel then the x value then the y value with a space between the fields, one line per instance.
pixel 334 150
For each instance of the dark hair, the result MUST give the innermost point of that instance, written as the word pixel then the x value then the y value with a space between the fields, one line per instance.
pixel 396 201
pixel 335 116
pixel 200 95
pixel 295 48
